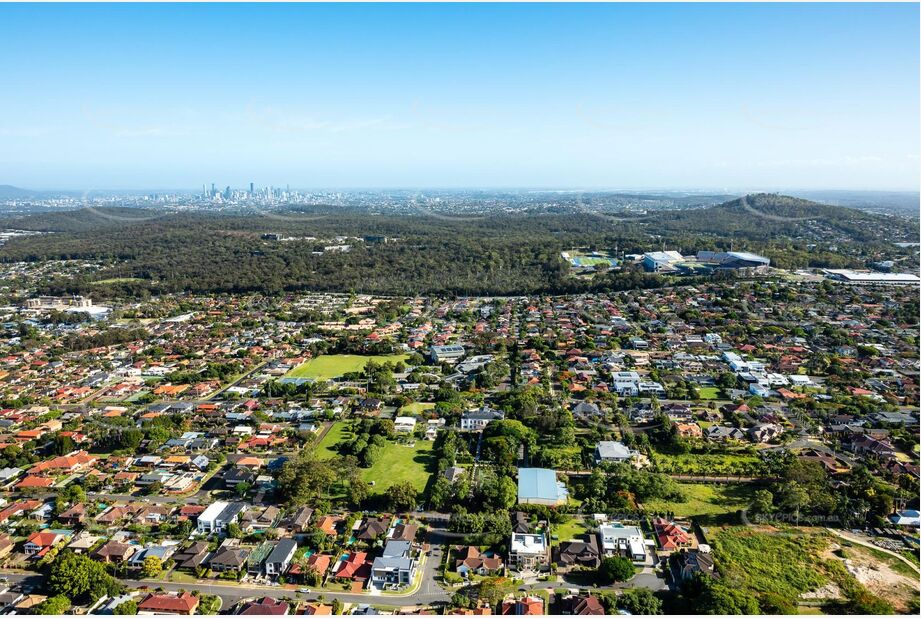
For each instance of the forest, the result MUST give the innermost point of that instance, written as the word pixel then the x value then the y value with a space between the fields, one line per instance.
pixel 143 253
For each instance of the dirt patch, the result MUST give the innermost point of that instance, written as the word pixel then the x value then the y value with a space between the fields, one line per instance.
pixel 881 579
pixel 829 591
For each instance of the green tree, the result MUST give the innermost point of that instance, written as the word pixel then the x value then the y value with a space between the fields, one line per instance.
pixel 616 569
pixel 151 567
pixel 126 608
pixel 80 578
pixel 58 604
pixel 639 602
pixel 402 496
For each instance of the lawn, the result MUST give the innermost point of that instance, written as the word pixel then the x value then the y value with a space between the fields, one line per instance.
pixel 706 499
pixel 709 392
pixel 571 529
pixel 326 449
pixel 416 408
pixel 399 463
pixel 331 366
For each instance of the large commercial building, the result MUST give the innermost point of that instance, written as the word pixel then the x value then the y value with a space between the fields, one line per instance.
pixel 449 353
pixel 733 259
pixel 661 261
pixel 872 278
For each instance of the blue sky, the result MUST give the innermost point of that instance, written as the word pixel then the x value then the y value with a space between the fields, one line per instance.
pixel 559 96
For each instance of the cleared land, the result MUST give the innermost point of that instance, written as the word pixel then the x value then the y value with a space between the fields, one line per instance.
pixel 708 463
pixel 706 499
pixel 782 566
pixel 399 463
pixel 331 366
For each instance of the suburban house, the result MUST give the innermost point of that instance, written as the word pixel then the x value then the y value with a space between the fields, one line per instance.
pixel 579 553
pixel 573 605
pixel 404 424
pixel 527 606
pixel 372 529
pixel 115 552
pixel 228 558
pixel 472 560
pixel 218 515
pixel 180 604
pixel 279 560
pixel 355 567
pixel 608 451
pixel 39 543
pixel 528 552
pixel 671 536
pixel 620 540
pixel 395 566
pixel 266 606
pixel 475 420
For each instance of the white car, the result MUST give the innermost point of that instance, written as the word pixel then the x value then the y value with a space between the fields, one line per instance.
pixel 304 590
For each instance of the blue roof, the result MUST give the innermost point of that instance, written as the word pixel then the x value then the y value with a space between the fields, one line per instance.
pixel 538 483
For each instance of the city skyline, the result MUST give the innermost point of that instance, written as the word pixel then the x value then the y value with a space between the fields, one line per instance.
pixel 731 97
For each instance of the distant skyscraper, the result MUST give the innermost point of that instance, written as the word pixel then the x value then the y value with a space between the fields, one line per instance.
pixel 250 188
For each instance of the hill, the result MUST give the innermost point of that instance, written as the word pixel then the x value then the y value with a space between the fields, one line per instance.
pixel 765 216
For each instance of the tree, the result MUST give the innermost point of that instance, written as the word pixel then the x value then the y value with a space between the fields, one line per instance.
pixel 639 602
pixel 126 608
pixel 359 491
pixel 80 578
pixel 616 569
pixel 337 607
pixel 53 605
pixel 151 567
pixel 234 531
pixel 402 496
pixel 305 479
pixel 762 502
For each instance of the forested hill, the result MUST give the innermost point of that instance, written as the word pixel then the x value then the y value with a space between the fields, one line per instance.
pixel 769 215
pixel 147 251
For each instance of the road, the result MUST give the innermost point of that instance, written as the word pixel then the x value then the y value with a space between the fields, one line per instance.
pixel 856 539
pixel 428 592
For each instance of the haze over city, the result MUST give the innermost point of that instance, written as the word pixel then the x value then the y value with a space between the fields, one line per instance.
pixel 580 96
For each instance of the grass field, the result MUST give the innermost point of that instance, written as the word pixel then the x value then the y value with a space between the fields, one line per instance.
pixel 334 365
pixel 706 499
pixel 399 463
pixel 327 446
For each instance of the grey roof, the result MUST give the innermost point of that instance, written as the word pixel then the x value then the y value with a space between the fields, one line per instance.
pixel 396 549
pixel 282 551
pixel 609 449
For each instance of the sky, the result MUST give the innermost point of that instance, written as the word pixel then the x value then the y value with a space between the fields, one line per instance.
pixel 721 96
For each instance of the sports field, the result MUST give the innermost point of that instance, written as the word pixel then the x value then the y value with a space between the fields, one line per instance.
pixel 331 366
